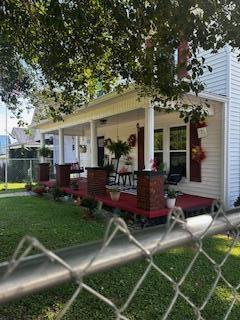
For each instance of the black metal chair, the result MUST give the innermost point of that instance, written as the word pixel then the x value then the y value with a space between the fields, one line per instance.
pixel 175 175
pixel 113 174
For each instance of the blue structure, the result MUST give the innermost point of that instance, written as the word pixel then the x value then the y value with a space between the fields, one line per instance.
pixel 3 143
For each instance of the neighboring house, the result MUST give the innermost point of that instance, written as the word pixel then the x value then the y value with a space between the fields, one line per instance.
pixel 4 140
pixel 119 116
pixel 25 145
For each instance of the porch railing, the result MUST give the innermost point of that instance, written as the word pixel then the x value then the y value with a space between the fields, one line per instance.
pixel 24 274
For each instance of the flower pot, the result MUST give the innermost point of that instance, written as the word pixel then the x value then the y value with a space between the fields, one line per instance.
pixel 170 203
pixel 115 195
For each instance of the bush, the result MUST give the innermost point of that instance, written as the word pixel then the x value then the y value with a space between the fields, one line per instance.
pixel 237 202
pixel 56 193
pixel 38 189
pixel 89 203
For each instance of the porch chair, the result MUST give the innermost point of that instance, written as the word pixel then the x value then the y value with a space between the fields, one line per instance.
pixel 113 175
pixel 175 175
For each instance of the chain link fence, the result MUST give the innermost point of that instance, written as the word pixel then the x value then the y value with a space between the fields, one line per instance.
pixel 24 274
pixel 21 170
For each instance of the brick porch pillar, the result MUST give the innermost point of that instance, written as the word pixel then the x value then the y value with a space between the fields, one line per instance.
pixel 150 193
pixel 43 171
pixel 63 175
pixel 96 181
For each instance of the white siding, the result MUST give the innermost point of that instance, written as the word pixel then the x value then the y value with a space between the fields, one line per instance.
pixel 216 81
pixel 234 130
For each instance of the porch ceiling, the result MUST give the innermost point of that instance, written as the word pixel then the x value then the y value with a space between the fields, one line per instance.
pixel 80 129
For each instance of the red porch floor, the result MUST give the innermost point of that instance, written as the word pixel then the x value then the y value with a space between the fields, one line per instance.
pixel 128 202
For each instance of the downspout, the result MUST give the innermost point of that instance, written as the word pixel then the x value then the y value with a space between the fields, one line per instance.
pixel 226 135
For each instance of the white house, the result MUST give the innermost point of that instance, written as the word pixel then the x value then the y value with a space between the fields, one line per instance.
pixel 119 116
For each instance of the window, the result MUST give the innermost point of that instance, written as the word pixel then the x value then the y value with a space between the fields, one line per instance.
pixel 178 146
pixel 158 146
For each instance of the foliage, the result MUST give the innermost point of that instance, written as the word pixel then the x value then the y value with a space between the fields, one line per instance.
pixel 157 167
pixel 119 148
pixel 129 161
pixel 38 189
pixel 61 54
pixel 171 194
pixel 28 186
pixel 58 225
pixel 90 203
pixel 237 202
pixel 113 189
pixel 44 152
pixel 56 193
pixel 74 184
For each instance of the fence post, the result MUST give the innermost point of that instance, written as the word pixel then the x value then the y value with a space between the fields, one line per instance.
pixel 31 172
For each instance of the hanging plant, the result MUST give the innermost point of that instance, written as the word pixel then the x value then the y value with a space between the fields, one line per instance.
pixel 132 140
pixel 198 154
pixel 44 152
pixel 83 148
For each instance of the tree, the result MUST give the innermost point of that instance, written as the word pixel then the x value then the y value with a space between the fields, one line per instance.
pixel 62 51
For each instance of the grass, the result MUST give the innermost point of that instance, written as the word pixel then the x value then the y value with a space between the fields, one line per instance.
pixel 12 187
pixel 58 224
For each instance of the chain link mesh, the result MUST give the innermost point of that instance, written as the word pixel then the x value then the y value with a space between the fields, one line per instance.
pixel 116 225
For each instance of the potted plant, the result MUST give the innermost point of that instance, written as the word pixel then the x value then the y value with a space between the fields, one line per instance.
pixel 171 198
pixel 119 148
pixel 115 192
pixel 44 152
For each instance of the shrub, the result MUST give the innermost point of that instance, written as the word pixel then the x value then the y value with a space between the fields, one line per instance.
pixel 56 193
pixel 237 202
pixel 89 203
pixel 38 189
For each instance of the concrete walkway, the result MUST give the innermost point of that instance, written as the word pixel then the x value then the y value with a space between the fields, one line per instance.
pixel 15 194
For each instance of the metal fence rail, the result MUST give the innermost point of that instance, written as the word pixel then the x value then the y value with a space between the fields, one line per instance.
pixel 24 275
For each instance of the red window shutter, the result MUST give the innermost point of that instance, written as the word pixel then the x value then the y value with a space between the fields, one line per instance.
pixel 195 167
pixel 183 58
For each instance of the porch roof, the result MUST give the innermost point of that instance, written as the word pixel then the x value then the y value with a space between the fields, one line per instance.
pixel 114 104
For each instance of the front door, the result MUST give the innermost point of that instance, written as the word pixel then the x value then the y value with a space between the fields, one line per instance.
pixel 141 149
pixel 100 143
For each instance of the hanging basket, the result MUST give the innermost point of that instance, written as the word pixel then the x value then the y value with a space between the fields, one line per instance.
pixel 83 148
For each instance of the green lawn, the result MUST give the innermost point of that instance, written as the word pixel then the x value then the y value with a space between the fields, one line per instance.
pixel 57 225
pixel 12 187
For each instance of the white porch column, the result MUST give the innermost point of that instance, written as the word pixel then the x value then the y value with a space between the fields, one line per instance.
pixel 93 129
pixel 42 144
pixel 149 137
pixel 77 153
pixel 61 145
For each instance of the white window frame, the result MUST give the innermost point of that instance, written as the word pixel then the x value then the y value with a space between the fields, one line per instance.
pixel 166 146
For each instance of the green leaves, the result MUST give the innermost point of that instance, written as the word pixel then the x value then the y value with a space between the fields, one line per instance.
pixel 69 47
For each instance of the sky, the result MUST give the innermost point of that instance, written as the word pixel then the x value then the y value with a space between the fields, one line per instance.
pixel 12 121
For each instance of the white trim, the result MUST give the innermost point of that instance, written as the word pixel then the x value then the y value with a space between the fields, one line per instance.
pixel 225 133
pixel 166 146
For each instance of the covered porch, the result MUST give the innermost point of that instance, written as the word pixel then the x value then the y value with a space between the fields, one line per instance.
pixel 158 135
